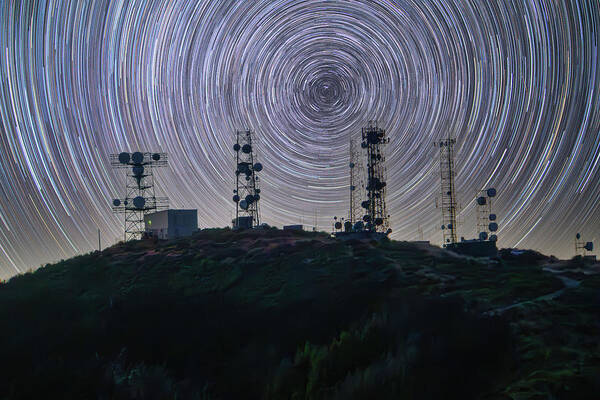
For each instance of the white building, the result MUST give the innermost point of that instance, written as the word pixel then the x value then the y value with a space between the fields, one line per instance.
pixel 171 224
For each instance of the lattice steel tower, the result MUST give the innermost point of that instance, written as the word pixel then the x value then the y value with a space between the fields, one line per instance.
pixel 373 140
pixel 448 195
pixel 140 197
pixel 356 184
pixel 246 194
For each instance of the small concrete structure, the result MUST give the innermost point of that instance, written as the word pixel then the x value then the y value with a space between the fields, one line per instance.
pixel 171 224
pixel 293 228
pixel 244 222
pixel 474 248
pixel 361 235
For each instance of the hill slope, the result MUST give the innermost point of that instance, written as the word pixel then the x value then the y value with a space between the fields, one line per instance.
pixel 297 315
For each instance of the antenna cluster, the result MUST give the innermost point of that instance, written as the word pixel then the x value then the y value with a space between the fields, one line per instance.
pixel 581 246
pixel 486 220
pixel 140 198
pixel 246 194
pixel 375 218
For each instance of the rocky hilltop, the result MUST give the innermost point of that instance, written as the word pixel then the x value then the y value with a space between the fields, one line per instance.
pixel 271 314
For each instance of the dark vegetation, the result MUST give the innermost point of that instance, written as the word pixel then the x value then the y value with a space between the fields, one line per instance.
pixel 296 315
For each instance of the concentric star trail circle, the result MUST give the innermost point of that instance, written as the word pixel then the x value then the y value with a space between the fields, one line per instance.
pixel 516 82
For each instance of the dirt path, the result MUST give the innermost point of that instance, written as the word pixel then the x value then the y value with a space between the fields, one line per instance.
pixel 568 282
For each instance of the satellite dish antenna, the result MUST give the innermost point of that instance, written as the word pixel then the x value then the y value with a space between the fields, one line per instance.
pixel 359 226
pixel 450 226
pixel 483 235
pixel 373 137
pixel 246 149
pixel 481 201
pixel 139 202
pixel 367 218
pixel 156 156
pixel 137 158
pixel 249 199
pixel 116 202
pixel 443 227
pixel 493 238
pixel 589 246
pixel 236 198
pixel 257 167
pixel 138 170
pixel 244 205
pixel 493 226
pixel 578 236
pixel 378 221
pixel 338 225
pixel 492 217
pixel 124 158
pixel 491 192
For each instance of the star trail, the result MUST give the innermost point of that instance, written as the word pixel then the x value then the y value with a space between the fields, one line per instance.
pixel 516 82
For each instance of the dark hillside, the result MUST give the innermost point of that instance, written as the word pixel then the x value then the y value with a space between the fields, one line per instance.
pixel 297 315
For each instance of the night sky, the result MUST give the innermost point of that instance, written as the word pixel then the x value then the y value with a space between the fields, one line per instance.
pixel 516 82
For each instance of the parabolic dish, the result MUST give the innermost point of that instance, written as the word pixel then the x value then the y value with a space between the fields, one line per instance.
pixel 139 202
pixel 137 157
pixel 124 158
pixel 138 170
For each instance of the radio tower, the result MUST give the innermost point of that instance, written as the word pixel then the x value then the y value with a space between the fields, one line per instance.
pixel 376 218
pixel 140 198
pixel 246 193
pixel 447 191
pixel 356 184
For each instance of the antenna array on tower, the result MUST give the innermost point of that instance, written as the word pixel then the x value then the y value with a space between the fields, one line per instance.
pixel 140 198
pixel 373 140
pixel 246 194
pixel 486 220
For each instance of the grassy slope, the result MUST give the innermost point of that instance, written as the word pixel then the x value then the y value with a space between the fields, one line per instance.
pixel 277 314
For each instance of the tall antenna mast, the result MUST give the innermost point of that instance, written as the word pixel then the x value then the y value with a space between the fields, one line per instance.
pixel 140 197
pixel 373 140
pixel 448 193
pixel 356 183
pixel 246 193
